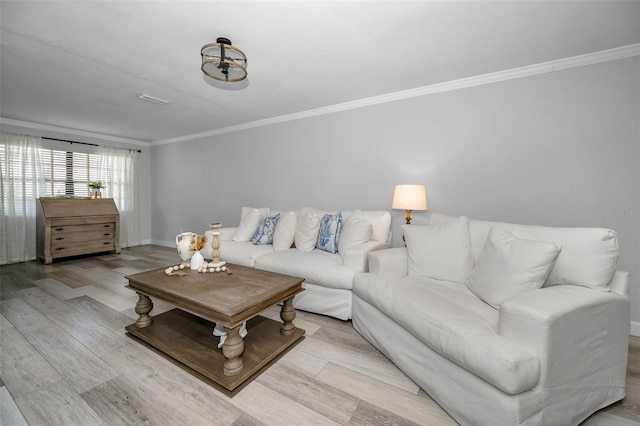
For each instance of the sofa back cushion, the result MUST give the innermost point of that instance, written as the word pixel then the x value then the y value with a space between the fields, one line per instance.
pixel 356 229
pixel 307 229
pixel 380 224
pixel 285 232
pixel 250 219
pixel 588 257
pixel 441 252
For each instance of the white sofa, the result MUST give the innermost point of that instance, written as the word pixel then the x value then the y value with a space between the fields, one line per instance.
pixel 460 310
pixel 293 251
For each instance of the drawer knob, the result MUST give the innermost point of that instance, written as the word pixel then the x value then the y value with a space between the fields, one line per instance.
pixel 106 244
pixel 106 234
pixel 59 229
pixel 59 248
pixel 59 238
pixel 106 226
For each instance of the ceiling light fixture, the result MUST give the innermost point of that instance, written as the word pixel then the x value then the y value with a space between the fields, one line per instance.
pixel 145 97
pixel 221 61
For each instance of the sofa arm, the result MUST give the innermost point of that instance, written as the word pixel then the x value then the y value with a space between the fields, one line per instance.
pixel 581 336
pixel 390 263
pixel 358 256
pixel 620 283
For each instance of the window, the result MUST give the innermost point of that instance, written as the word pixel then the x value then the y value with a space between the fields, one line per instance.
pixel 65 172
pixel 68 173
pixel 28 171
pixel 19 180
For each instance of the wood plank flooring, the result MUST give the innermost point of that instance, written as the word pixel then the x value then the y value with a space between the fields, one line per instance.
pixel 65 360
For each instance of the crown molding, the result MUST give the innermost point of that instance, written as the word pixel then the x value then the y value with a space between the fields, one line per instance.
pixel 463 83
pixel 69 132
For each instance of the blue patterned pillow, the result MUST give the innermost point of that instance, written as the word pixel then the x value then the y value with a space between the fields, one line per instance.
pixel 330 228
pixel 264 233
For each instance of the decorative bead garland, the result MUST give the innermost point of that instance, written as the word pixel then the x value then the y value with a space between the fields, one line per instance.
pixel 172 270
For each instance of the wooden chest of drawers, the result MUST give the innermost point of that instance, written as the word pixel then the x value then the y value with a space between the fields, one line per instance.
pixel 71 227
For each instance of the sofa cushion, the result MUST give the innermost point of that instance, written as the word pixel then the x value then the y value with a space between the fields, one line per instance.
pixel 380 223
pixel 356 229
pixel 307 230
pixel 441 251
pixel 588 257
pixel 285 232
pixel 316 267
pixel 265 231
pixel 242 253
pixel 452 321
pixel 329 233
pixel 508 266
pixel 249 222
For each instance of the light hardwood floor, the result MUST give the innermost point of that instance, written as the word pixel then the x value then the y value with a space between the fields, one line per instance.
pixel 65 360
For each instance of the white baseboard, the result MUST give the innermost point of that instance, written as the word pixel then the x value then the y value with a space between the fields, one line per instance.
pixel 635 329
pixel 163 243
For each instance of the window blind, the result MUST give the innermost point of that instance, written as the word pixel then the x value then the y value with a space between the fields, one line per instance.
pixel 69 173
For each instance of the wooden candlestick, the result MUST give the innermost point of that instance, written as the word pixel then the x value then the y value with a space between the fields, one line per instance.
pixel 215 242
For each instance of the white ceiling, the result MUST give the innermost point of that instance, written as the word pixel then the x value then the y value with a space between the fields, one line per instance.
pixel 79 64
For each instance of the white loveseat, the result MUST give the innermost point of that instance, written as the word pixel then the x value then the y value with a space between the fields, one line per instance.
pixel 460 310
pixel 292 249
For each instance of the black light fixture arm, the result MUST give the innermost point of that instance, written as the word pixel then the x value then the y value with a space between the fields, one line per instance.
pixel 223 65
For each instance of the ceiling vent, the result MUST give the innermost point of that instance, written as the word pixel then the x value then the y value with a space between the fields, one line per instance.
pixel 152 99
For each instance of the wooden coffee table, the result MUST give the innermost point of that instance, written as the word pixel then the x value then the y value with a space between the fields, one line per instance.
pixel 185 334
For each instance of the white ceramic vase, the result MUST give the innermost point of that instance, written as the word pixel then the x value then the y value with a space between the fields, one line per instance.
pixel 197 260
pixel 182 242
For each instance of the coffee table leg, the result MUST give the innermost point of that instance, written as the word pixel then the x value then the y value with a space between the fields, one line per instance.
pixel 143 307
pixel 232 350
pixel 287 314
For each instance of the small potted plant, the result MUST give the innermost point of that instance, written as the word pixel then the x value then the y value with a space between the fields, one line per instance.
pixel 95 187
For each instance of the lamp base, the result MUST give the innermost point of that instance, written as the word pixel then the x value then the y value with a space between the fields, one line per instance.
pixel 408 218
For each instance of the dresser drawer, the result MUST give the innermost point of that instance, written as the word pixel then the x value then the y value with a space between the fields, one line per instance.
pixel 83 247
pixel 61 222
pixel 58 238
pixel 95 229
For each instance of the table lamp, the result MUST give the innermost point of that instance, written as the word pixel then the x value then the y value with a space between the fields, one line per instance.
pixel 409 197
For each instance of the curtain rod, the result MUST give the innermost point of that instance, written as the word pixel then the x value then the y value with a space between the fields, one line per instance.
pixel 83 143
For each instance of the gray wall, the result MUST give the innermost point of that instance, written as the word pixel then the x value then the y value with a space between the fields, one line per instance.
pixel 560 149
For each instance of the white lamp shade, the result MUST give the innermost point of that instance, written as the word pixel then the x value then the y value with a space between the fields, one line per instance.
pixel 410 197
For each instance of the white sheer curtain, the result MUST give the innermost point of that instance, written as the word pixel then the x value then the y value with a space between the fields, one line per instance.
pixel 21 183
pixel 118 170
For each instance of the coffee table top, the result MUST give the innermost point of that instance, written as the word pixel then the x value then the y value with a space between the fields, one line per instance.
pixel 226 299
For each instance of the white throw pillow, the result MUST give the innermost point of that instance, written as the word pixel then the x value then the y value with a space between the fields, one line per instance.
pixel 264 212
pixel 442 252
pixel 249 223
pixel 509 265
pixel 307 231
pixel 355 230
pixel 285 231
